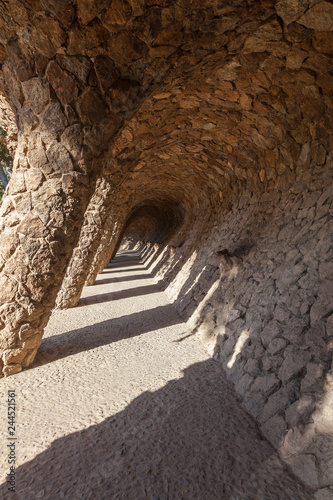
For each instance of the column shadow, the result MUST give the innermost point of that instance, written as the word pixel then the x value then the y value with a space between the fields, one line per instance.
pixel 108 270
pixel 188 440
pixel 122 294
pixel 107 281
pixel 103 333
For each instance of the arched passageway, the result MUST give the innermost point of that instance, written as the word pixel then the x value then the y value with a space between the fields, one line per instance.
pixel 203 132
pixel 129 404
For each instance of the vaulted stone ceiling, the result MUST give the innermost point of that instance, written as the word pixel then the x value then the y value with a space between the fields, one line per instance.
pixel 197 125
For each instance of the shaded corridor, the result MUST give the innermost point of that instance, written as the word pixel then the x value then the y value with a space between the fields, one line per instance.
pixel 116 408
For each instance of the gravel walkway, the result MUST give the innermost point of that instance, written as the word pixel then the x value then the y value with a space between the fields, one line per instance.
pixel 122 404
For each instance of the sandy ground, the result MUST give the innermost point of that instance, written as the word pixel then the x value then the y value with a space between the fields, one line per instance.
pixel 122 404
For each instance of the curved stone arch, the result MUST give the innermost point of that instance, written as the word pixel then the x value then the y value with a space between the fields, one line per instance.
pixel 240 98
pixel 253 148
pixel 69 110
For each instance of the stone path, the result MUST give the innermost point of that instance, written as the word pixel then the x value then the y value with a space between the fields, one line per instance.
pixel 121 404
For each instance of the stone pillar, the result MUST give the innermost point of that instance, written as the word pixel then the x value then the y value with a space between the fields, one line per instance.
pixel 40 221
pixel 54 175
pixel 90 238
pixel 94 268
pixel 105 253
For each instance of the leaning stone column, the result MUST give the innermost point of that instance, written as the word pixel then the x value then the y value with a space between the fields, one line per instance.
pixel 40 220
pixel 90 238
pixel 54 177
pixel 105 253
pixel 94 268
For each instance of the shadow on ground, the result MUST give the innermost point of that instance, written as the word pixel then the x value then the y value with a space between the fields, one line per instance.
pixel 121 280
pixel 120 269
pixel 122 294
pixel 131 259
pixel 188 440
pixel 105 332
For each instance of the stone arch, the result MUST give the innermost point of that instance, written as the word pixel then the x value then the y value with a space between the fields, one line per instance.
pixel 71 96
pixel 228 109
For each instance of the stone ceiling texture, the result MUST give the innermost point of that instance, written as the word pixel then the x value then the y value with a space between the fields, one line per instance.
pixel 200 131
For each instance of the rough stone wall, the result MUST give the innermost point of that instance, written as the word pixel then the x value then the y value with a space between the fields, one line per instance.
pixel 73 74
pixel 214 120
pixel 91 233
pixel 105 248
pixel 258 292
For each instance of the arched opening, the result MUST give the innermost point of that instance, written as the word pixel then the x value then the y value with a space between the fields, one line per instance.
pixel 201 131
pixel 155 221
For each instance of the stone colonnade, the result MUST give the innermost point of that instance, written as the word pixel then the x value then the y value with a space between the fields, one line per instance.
pixel 204 127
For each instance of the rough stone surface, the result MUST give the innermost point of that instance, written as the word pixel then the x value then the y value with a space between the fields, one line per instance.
pixel 213 123
pixel 120 401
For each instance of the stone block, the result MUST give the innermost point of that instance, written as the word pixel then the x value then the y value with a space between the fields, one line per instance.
pixel 116 16
pixel 32 342
pixel 18 183
pixel 254 319
pixel 271 363
pixel 300 411
pixel 253 349
pixel 236 371
pixel 252 367
pixel 322 306
pixel 279 401
pixel 37 94
pixel 326 466
pixel 59 158
pixel 270 332
pixel 243 385
pixel 287 232
pixel 263 39
pixel 236 326
pixel 106 72
pixel 326 270
pixel 276 346
pixel 90 107
pixel 26 331
pixel 282 313
pixel 12 369
pixel 62 10
pixel 305 468
pixel 323 41
pixel 30 356
pixel 227 346
pixel 33 179
pixel 293 364
pixel 287 275
pixel 274 430
pixel 267 384
pixel 77 65
pixel 324 494
pixel 87 10
pixel 319 17
pixel 294 331
pixel 253 403
pixel 36 154
pixel 290 10
pixel 54 120
pixel 11 356
pixel 124 48
pixel 313 380
pixel 63 84
pixel 314 338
